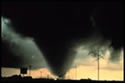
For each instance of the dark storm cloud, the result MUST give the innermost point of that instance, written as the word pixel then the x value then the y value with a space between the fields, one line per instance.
pixel 116 55
pixel 23 49
pixel 108 18
pixel 94 47
pixel 60 28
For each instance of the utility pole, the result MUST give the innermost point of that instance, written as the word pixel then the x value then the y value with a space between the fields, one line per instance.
pixel 98 66
pixel 96 52
pixel 98 62
pixel 29 70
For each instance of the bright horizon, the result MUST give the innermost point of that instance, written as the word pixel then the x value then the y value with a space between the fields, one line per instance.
pixel 108 71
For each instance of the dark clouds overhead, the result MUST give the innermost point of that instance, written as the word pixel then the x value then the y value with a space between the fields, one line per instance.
pixel 55 26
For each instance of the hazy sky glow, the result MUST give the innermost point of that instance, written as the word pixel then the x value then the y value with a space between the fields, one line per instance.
pixel 108 70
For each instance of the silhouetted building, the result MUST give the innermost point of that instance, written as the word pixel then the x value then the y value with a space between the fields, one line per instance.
pixel 23 70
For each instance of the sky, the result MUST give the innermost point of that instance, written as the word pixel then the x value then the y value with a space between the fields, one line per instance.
pixel 58 36
pixel 108 70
